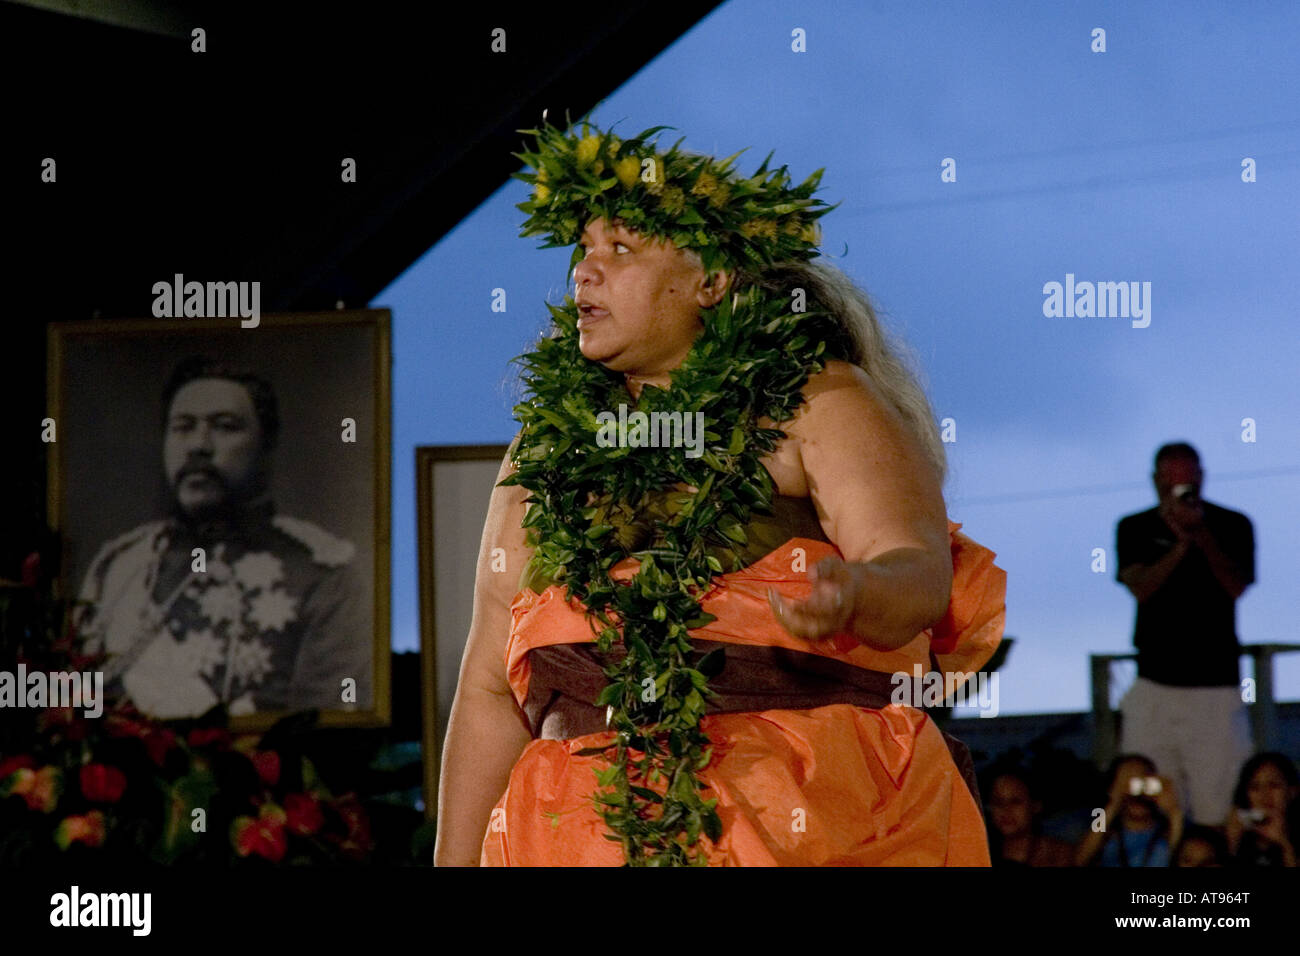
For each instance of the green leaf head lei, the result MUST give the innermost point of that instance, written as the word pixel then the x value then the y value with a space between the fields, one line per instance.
pixel 696 201
pixel 594 502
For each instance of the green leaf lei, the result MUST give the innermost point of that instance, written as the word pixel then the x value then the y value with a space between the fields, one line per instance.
pixel 751 361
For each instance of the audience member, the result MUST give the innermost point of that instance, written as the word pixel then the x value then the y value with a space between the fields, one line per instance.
pixel 1014 837
pixel 1262 825
pixel 1201 846
pixel 1143 818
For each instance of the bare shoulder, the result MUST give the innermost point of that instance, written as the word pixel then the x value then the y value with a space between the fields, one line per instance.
pixel 866 470
pixel 841 400
pixel 835 375
pixel 842 379
pixel 841 407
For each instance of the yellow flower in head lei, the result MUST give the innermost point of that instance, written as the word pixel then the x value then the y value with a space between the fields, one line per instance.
pixel 750 361
pixel 695 201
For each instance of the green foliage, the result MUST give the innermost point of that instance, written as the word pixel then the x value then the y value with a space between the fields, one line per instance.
pixel 263 801
pixel 750 362
pixel 733 220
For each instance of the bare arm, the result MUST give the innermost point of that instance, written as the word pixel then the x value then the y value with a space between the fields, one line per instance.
pixel 1167 803
pixel 1176 827
pixel 1234 829
pixel 1226 571
pixel 1091 845
pixel 881 503
pixel 487 730
pixel 1145 580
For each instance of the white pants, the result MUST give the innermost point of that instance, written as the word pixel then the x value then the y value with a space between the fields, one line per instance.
pixel 1198 737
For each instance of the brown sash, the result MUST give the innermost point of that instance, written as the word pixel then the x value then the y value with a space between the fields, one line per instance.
pixel 565 678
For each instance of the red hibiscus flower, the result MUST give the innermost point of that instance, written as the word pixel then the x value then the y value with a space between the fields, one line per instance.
pixel 102 783
pixel 304 814
pixel 88 828
pixel 31 575
pixel 356 843
pixel 157 740
pixel 64 720
pixel 267 763
pixel 40 788
pixel 120 724
pixel 11 764
pixel 158 743
pixel 202 736
pixel 264 836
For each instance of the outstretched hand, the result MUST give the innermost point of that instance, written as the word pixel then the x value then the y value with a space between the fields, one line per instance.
pixel 831 606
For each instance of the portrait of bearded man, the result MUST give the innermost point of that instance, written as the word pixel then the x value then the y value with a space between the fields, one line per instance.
pixel 224 599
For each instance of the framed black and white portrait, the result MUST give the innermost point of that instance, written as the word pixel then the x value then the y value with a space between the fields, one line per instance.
pixel 222 495
pixel 454 484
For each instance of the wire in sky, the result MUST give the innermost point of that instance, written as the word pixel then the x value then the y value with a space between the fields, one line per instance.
pixel 1112 489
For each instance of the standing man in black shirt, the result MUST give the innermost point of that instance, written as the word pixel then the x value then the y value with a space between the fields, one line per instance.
pixel 1187 561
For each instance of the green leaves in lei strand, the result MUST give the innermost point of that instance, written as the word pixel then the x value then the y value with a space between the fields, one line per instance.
pixel 751 360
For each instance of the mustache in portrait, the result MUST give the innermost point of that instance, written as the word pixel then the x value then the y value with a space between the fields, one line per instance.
pixel 200 468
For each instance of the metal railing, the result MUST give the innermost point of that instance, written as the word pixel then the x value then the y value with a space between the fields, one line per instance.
pixel 1263 712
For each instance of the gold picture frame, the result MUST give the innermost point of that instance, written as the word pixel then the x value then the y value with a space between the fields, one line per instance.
pixel 105 380
pixel 453 486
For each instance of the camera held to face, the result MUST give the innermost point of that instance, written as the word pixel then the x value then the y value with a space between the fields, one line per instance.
pixel 1148 786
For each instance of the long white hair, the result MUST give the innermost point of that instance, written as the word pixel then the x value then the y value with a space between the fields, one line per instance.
pixel 863 341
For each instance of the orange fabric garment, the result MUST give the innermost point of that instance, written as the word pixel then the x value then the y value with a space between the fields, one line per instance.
pixel 833 785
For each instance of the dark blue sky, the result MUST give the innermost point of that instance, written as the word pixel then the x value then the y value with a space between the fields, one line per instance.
pixel 1115 166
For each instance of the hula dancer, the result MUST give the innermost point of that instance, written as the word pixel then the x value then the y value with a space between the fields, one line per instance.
pixel 696 664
